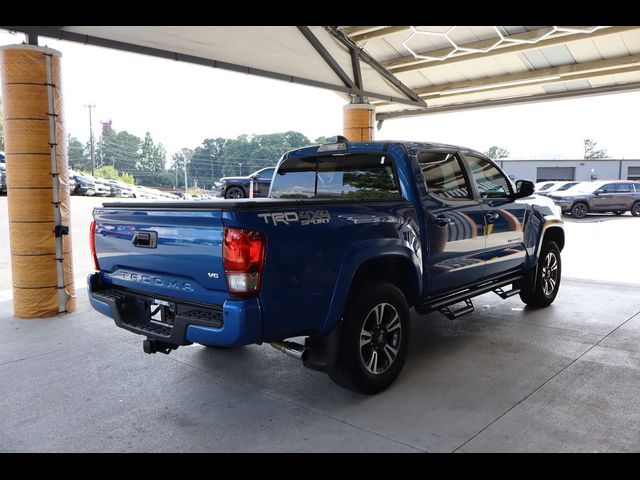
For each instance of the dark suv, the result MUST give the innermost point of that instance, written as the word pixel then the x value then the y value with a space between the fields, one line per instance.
pixel 604 196
pixel 238 187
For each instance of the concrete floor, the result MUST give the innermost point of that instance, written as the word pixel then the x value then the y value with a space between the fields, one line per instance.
pixel 505 378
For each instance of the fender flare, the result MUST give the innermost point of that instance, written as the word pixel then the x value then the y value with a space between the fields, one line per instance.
pixel 357 256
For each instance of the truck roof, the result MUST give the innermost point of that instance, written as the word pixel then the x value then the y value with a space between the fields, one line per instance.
pixel 380 144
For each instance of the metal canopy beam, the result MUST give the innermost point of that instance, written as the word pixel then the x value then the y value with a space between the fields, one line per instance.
pixel 576 71
pixel 360 37
pixel 365 57
pixel 409 63
pixel 326 56
pixel 56 33
pixel 543 97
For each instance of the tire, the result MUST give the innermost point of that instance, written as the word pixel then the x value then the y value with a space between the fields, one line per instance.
pixel 635 210
pixel 234 192
pixel 579 210
pixel 372 366
pixel 619 212
pixel 548 278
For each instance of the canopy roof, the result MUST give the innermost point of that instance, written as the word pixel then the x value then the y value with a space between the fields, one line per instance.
pixel 403 70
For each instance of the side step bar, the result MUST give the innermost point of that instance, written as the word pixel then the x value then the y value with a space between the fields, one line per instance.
pixel 443 304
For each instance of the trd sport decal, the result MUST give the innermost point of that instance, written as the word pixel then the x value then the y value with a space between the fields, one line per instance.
pixel 309 217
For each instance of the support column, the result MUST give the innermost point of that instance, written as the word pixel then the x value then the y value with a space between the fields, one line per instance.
pixel 358 121
pixel 38 181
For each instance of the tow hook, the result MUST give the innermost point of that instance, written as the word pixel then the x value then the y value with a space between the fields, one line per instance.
pixel 152 346
pixel 292 349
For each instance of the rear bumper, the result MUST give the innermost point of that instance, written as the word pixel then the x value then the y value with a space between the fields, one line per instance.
pixel 236 322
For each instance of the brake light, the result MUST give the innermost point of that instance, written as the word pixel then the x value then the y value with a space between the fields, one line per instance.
pixel 243 254
pixel 92 245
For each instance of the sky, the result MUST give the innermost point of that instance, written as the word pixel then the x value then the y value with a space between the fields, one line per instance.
pixel 182 104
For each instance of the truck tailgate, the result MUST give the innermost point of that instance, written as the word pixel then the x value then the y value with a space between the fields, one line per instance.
pixel 177 254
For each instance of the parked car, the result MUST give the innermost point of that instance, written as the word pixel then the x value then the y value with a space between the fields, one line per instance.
pixel 615 196
pixel 3 178
pixel 238 187
pixel 352 236
pixel 547 187
pixel 85 184
pixel 103 188
pixel 72 184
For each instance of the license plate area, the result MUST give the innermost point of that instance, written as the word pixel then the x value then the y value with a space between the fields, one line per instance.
pixel 161 312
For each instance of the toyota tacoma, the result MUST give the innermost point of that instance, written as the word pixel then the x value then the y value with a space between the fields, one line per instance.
pixel 351 236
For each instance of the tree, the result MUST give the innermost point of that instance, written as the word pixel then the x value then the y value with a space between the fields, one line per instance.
pixel 496 153
pixel 121 150
pixel 591 152
pixel 152 157
pixel 325 140
pixel 179 160
pixel 127 178
pixel 78 157
pixel 107 172
pixel 205 163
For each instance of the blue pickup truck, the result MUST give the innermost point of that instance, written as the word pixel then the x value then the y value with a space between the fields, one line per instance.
pixel 351 237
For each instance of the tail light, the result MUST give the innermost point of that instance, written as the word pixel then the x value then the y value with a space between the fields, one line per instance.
pixel 92 245
pixel 243 255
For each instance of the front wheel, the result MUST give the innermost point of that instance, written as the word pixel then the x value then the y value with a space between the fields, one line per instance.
pixel 540 287
pixel 635 210
pixel 375 338
pixel 234 192
pixel 579 210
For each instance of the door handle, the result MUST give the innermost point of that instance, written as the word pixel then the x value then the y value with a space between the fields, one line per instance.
pixel 491 217
pixel 442 220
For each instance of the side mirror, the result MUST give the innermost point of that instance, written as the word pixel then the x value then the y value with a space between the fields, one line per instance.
pixel 598 192
pixel 524 188
pixel 254 175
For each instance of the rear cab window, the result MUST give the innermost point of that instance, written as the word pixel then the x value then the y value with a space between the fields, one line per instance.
pixel 366 176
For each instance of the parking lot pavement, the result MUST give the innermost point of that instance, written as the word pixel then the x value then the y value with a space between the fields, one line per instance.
pixel 505 378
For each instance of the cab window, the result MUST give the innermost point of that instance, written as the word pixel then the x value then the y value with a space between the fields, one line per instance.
pixel 492 183
pixel 444 176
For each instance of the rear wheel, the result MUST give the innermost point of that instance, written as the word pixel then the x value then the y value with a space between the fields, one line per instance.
pixel 234 192
pixel 540 286
pixel 374 341
pixel 579 210
pixel 635 210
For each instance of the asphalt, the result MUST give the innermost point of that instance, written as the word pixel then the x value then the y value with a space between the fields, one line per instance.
pixel 503 379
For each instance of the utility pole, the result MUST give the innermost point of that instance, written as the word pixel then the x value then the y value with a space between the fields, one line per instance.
pixel 93 157
pixel 185 176
pixel 240 168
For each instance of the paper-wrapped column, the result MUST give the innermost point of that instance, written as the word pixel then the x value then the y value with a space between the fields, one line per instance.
pixel 358 120
pixel 38 181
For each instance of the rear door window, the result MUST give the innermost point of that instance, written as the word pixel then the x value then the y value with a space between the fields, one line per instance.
pixel 624 188
pixel 361 175
pixel 444 176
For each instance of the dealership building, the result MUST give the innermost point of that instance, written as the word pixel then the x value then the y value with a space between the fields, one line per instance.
pixel 582 170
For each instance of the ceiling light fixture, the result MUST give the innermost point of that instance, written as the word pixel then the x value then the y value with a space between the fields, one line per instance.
pixel 454 47
pixel 514 83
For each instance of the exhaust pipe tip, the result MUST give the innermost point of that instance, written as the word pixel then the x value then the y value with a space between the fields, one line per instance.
pixel 292 349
